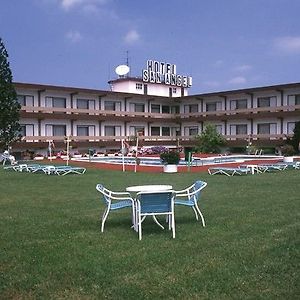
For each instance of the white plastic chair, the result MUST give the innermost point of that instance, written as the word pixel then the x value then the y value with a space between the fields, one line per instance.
pixel 153 204
pixel 190 196
pixel 115 201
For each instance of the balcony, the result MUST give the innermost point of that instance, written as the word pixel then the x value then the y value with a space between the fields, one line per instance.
pixel 87 114
pixel 115 141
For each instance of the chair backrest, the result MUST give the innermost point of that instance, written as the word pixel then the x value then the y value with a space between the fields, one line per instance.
pixel 105 193
pixel 156 202
pixel 194 191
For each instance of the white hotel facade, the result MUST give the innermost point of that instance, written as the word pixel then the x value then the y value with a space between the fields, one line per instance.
pixel 162 112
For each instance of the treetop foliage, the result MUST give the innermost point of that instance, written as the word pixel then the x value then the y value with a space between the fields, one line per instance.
pixel 9 106
pixel 210 140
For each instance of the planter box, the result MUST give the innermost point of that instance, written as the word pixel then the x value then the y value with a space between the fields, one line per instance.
pixel 51 157
pixel 64 156
pixel 170 168
pixel 288 159
pixel 38 158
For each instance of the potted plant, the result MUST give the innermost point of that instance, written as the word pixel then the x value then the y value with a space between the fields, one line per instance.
pixel 170 160
pixel 288 151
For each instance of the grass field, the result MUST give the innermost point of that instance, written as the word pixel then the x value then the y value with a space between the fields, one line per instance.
pixel 52 248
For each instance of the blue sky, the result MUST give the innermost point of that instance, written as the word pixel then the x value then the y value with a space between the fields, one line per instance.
pixel 222 44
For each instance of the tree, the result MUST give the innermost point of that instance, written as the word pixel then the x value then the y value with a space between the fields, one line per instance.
pixel 9 106
pixel 295 139
pixel 210 140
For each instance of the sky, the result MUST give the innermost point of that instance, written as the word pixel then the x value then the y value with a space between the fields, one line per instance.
pixel 221 44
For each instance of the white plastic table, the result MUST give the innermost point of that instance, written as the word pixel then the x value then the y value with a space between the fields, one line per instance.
pixel 149 188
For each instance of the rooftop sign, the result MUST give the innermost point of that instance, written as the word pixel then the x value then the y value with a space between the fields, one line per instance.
pixel 161 72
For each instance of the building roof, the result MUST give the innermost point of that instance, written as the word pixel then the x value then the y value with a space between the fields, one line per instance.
pixel 77 90
pixel 277 87
pixel 102 93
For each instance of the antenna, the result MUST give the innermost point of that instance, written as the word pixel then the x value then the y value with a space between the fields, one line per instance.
pixel 127 58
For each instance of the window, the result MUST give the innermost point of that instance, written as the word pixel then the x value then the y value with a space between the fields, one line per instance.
pixel 85 130
pixel 138 86
pixel 192 130
pixel 82 103
pixel 213 106
pixel 139 107
pixel 27 130
pixel 165 131
pixel 293 99
pixel 109 105
pixel 155 131
pixel 290 127
pixel 82 130
pixel 175 109
pixel 85 104
pixel 165 109
pixel 25 100
pixel 56 102
pixel 238 104
pixel 21 99
pixel 23 130
pixel 55 130
pixel 191 108
pixel 112 130
pixel 174 90
pixel 267 128
pixel 112 105
pixel 219 128
pixel 238 129
pixel 266 101
pixel 155 108
pixel 59 130
pixel 134 130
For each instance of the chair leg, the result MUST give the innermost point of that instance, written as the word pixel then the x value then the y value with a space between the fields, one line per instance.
pixel 196 214
pixel 200 213
pixel 173 225
pixel 140 227
pixel 156 221
pixel 134 218
pixel 104 217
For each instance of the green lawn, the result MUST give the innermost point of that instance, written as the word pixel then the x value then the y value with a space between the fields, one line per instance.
pixel 52 248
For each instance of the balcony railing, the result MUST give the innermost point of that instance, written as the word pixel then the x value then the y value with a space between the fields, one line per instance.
pixel 162 116
pixel 111 113
pixel 149 138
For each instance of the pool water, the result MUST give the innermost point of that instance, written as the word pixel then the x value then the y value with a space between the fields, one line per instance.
pixel 150 161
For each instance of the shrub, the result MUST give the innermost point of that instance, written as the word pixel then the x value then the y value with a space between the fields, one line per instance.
pixel 170 157
pixel 287 150
pixel 210 140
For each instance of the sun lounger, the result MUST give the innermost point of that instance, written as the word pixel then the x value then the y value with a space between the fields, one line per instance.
pixel 64 170
pixel 17 167
pixel 293 165
pixel 273 167
pixel 33 168
pixel 228 171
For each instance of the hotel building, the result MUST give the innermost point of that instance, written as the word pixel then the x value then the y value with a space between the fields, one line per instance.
pixel 160 112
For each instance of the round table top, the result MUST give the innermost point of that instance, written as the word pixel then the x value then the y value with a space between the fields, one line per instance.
pixel 149 188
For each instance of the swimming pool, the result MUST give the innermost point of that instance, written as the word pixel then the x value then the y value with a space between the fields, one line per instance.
pixel 155 161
